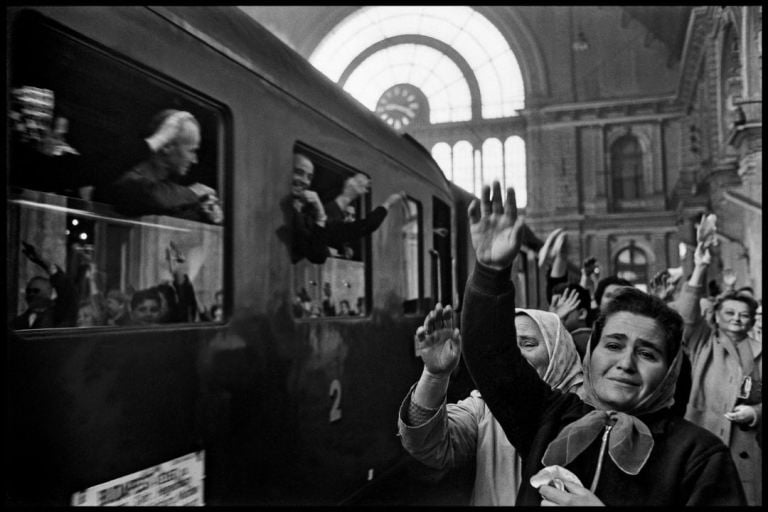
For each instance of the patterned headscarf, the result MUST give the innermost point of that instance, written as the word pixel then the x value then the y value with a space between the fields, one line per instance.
pixel 564 369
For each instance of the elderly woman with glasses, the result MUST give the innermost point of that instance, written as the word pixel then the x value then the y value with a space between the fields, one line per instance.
pixel 727 372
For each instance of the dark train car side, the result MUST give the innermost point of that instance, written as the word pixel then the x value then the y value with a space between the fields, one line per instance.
pixel 290 401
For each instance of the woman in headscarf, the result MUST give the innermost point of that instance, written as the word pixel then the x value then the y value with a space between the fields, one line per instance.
pixel 621 440
pixel 445 435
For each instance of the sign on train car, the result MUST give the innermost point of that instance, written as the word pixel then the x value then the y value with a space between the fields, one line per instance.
pixel 177 482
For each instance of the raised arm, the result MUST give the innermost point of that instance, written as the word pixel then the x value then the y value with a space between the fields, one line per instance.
pixel 438 434
pixel 688 304
pixel 509 385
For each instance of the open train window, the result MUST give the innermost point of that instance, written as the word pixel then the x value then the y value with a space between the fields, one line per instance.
pixel 80 115
pixel 330 274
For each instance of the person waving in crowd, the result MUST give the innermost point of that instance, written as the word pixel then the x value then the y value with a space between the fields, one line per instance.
pixel 727 370
pixel 444 435
pixel 621 439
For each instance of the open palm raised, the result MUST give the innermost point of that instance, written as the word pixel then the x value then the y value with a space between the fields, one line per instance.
pixel 496 230
pixel 438 341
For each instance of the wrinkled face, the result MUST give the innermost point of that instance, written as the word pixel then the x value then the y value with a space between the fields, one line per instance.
pixel 38 294
pixel 629 361
pixel 733 317
pixel 182 152
pixel 609 293
pixel 146 312
pixel 303 172
pixel 531 343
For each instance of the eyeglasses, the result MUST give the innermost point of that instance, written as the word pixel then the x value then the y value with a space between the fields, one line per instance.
pixel 743 316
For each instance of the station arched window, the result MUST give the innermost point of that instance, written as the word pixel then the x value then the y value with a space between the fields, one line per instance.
pixel 441 152
pixel 514 168
pixel 463 165
pixel 627 168
pixel 632 265
pixel 493 161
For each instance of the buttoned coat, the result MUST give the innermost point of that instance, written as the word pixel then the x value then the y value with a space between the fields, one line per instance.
pixel 717 374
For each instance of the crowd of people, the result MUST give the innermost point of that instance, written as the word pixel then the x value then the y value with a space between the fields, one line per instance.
pixel 305 307
pixel 59 300
pixel 615 396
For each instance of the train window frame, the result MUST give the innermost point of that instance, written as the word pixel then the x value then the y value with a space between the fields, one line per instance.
pixel 216 122
pixel 329 170
pixel 415 306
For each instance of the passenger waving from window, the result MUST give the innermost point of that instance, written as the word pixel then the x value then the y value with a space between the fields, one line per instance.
pixel 154 186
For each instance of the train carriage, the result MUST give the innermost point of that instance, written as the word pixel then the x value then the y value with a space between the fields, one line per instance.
pixel 287 406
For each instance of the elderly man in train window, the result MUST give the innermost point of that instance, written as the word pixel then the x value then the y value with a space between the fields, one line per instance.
pixel 154 185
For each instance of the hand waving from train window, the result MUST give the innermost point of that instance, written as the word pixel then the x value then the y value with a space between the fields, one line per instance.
pixel 438 342
pixel 496 231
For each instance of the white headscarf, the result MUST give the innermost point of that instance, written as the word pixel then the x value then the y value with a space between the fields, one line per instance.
pixel 564 369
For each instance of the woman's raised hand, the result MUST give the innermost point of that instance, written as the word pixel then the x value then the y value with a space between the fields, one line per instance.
pixel 496 230
pixel 438 342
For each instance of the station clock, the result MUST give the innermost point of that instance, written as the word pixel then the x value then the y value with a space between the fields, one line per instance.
pixel 401 105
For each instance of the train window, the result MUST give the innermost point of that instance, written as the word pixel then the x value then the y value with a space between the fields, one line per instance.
pixel 442 283
pixel 330 262
pixel 408 260
pixel 78 254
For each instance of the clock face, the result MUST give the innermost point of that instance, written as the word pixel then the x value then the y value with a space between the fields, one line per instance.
pixel 400 105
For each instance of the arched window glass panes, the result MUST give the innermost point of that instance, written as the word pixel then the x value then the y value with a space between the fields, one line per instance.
pixel 463 175
pixel 514 168
pixel 493 162
pixel 441 152
pixel 478 183
pixel 444 85
pixel 632 265
pixel 472 35
pixel 627 168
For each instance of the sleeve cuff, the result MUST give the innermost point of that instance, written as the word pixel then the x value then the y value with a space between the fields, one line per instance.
pixel 417 414
pixel 490 280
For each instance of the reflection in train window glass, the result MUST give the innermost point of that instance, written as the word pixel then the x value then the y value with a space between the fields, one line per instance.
pixel 408 215
pixel 77 258
pixel 337 286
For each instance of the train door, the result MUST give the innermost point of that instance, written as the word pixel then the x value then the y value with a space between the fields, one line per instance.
pixel 442 262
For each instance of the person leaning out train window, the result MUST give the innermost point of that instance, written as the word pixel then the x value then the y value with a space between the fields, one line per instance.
pixel 341 228
pixel 43 308
pixel 153 186
pixel 306 213
pixel 621 440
